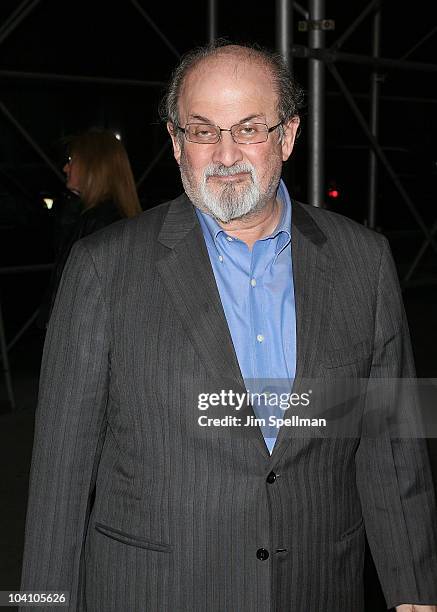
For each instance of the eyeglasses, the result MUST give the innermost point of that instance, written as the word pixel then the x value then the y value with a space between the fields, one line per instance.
pixel 242 133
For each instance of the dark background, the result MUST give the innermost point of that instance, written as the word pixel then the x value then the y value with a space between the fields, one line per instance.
pixel 102 39
pixel 113 40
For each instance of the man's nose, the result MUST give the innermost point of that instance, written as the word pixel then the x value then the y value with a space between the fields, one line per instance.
pixel 227 152
pixel 65 168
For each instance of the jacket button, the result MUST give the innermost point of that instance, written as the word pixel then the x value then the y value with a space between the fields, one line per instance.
pixel 262 554
pixel 271 478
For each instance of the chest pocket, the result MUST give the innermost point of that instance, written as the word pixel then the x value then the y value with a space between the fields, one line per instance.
pixel 358 354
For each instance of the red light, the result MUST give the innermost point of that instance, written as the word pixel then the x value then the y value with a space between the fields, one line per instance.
pixel 333 193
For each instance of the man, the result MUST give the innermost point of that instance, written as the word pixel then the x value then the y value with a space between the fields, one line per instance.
pixel 134 505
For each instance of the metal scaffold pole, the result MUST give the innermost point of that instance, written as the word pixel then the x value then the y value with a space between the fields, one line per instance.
pixel 374 120
pixel 284 30
pixel 316 107
pixel 212 20
pixel 284 41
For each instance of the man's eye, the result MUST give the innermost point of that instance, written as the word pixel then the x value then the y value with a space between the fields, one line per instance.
pixel 247 130
pixel 203 132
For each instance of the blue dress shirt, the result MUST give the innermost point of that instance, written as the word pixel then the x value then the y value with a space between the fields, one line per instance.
pixel 257 293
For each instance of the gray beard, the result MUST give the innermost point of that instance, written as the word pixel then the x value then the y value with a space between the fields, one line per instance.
pixel 232 201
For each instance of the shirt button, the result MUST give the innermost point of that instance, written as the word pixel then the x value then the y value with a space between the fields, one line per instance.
pixel 262 554
pixel 271 478
pixel 253 282
pixel 229 239
pixel 260 338
pixel 220 257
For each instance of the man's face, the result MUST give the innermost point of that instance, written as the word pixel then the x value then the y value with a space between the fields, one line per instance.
pixel 226 179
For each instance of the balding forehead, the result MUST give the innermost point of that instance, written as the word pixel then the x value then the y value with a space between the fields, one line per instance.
pixel 224 79
pixel 233 59
pixel 233 56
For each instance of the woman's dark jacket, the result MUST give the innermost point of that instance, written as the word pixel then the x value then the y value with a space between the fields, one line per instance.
pixel 75 223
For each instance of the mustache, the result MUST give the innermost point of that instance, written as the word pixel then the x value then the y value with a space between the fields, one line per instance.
pixel 221 170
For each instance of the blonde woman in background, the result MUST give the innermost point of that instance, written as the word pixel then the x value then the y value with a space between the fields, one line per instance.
pixel 99 173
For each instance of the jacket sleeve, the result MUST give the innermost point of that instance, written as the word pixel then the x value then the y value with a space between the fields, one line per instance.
pixel 69 430
pixel 393 473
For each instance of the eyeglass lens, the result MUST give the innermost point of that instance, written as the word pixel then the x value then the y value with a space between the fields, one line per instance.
pixel 242 133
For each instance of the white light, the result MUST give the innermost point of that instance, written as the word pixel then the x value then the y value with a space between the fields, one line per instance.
pixel 48 202
pixel 117 135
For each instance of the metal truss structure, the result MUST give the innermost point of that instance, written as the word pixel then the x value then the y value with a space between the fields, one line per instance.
pixel 320 58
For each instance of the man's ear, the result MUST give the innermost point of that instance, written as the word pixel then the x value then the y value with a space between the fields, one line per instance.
pixel 290 131
pixel 175 141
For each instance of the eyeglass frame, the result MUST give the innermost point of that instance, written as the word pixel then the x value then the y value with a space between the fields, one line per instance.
pixel 219 137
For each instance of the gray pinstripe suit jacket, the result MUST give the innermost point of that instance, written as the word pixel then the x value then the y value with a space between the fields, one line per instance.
pixel 132 508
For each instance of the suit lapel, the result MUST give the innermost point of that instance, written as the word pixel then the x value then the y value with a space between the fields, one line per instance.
pixel 189 279
pixel 312 275
pixel 190 282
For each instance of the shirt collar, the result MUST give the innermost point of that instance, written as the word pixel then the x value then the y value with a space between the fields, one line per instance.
pixel 284 224
pixel 211 229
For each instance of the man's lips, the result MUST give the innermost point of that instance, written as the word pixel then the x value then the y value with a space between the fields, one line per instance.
pixel 231 178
